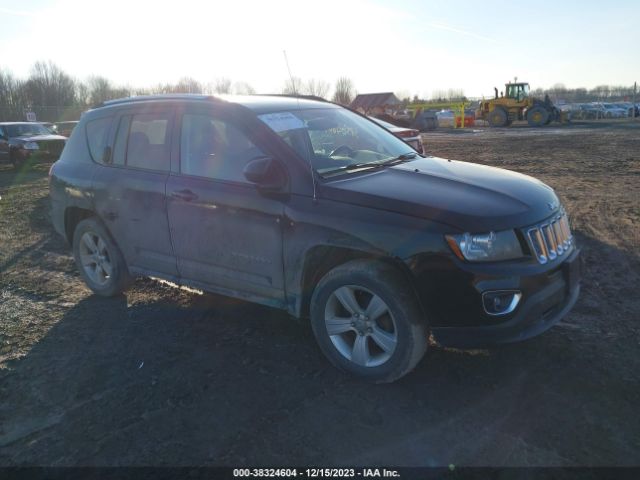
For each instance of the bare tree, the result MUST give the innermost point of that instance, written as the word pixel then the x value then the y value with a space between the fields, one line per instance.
pixel 48 85
pixel 222 85
pixel 293 86
pixel 9 87
pixel 318 88
pixel 449 95
pixel 13 97
pixel 100 89
pixel 187 85
pixel 243 88
pixel 344 91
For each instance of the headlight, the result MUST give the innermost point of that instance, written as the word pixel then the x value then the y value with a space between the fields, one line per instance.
pixel 485 247
pixel 31 146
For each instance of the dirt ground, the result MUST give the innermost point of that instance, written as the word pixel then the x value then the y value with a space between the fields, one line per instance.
pixel 163 376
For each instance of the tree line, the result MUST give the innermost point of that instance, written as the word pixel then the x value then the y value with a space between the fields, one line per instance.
pixel 600 93
pixel 558 92
pixel 55 95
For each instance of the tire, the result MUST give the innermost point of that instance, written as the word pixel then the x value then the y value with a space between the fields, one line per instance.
pixel 375 317
pixel 497 118
pixel 99 259
pixel 537 116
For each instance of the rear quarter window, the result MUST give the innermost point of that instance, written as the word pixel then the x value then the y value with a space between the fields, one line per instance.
pixel 97 137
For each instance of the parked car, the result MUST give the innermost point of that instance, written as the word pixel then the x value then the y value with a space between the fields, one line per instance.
pixel 308 207
pixel 627 107
pixel 65 128
pixel 49 126
pixel 445 117
pixel 28 141
pixel 409 135
pixel 614 111
pixel 588 111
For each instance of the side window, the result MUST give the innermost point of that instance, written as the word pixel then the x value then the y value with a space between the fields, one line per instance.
pixel 120 146
pixel 149 143
pixel 97 135
pixel 213 148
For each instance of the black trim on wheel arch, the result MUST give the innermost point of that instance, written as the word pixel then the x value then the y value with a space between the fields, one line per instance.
pixel 120 278
pixel 389 285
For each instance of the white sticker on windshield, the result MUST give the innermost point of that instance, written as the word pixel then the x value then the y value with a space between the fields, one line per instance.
pixel 282 121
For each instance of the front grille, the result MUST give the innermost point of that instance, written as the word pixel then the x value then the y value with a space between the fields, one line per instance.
pixel 53 147
pixel 550 239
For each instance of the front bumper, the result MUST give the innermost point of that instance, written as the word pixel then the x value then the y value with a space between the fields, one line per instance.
pixel 36 155
pixel 537 312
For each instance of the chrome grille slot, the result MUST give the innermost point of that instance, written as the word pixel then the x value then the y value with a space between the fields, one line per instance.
pixel 550 239
pixel 559 237
pixel 564 223
pixel 539 249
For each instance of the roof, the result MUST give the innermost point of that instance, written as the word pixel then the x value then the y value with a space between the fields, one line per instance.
pixel 367 101
pixel 257 103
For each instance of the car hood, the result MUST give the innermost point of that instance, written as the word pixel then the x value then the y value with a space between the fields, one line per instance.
pixel 467 196
pixel 38 138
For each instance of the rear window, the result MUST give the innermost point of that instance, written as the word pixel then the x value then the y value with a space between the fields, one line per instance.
pixel 97 136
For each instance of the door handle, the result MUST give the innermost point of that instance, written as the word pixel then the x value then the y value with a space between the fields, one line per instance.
pixel 185 195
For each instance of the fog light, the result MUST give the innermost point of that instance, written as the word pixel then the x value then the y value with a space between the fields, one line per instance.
pixel 500 302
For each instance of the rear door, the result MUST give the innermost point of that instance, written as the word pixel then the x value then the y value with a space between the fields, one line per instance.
pixel 130 189
pixel 227 235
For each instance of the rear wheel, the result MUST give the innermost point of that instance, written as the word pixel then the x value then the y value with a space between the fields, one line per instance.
pixel 537 116
pixel 497 118
pixel 99 259
pixel 367 321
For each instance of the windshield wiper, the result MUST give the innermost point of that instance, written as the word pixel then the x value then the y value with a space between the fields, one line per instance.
pixel 399 159
pixel 387 163
pixel 392 161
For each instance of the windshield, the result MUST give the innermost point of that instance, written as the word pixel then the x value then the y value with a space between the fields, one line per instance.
pixel 24 129
pixel 335 140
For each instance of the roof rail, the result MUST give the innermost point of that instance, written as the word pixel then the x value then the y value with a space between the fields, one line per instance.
pixel 293 95
pixel 163 96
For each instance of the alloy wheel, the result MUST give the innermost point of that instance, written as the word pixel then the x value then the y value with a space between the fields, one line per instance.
pixel 95 258
pixel 360 326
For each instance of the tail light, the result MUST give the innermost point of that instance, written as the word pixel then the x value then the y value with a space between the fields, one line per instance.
pixel 408 133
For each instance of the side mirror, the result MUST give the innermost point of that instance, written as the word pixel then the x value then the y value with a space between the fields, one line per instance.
pixel 266 172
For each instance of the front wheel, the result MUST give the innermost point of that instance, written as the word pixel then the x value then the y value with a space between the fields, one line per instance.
pixel 537 116
pixel 367 321
pixel 498 118
pixel 99 259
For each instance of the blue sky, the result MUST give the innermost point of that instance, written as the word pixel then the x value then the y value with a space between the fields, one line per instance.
pixel 408 46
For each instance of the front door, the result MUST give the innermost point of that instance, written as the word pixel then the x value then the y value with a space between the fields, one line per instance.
pixel 227 235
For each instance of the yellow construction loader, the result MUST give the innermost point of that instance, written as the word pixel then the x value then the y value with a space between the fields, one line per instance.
pixel 516 104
